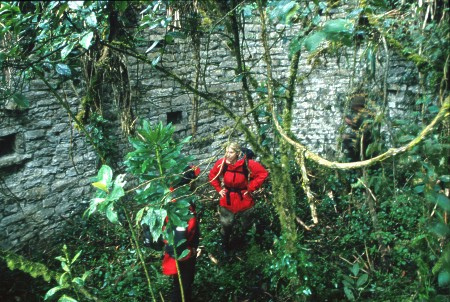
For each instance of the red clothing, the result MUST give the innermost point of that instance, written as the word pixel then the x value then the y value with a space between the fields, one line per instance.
pixel 234 179
pixel 168 264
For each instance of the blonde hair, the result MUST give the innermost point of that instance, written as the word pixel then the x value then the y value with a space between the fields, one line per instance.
pixel 234 146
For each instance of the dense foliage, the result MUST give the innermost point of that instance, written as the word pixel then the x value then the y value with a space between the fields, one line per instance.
pixel 380 223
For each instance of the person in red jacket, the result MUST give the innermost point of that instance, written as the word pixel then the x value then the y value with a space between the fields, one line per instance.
pixel 235 178
pixel 191 233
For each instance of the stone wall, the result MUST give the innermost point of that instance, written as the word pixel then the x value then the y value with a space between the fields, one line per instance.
pixel 321 100
pixel 46 164
pixel 44 174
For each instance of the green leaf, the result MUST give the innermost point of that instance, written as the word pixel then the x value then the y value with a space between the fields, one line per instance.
pixel 337 26
pixel 91 20
pixel 313 41
pixel 183 254
pixel 66 50
pixel 440 229
pixel 247 10
pixel 78 281
pixel 405 138
pixel 85 275
pixel 63 69
pixel 339 30
pixel 64 266
pixel 76 257
pixel 284 10
pixel 154 218
pixel 121 5
pixel 62 280
pixel 139 215
pixel 85 41
pixel 444 278
pixel 60 258
pixel 93 205
pixel 295 46
pixel 419 189
pixel 20 100
pixel 445 178
pixel 111 214
pixel 355 269
pixel 433 109
pixel 361 280
pixel 65 298
pixel 104 177
pixel 156 60
pixel 152 46
pixel 102 186
pixel 443 202
pixel 2 58
pixel 52 291
pixel 349 294
pixel 117 191
pixel 75 5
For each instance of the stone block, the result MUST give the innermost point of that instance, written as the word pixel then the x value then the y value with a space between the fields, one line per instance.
pixel 62 184
pixel 34 134
pixel 11 219
pixel 44 214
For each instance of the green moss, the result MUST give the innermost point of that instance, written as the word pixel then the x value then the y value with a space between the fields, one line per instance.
pixel 34 269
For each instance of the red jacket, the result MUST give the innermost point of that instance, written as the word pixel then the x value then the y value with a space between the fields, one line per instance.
pixel 236 184
pixel 168 264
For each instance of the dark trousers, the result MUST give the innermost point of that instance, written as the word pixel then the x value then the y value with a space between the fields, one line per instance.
pixel 234 226
pixel 187 270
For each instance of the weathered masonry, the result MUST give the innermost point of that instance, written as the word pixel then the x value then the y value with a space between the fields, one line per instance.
pixel 46 163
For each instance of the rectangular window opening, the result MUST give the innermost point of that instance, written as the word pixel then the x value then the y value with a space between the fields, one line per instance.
pixel 7 144
pixel 174 117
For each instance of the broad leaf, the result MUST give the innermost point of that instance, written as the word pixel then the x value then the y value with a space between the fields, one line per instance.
pixel 64 266
pixel 91 20
pixel 20 100
pixel 111 214
pixel 100 185
pixel 52 291
pixel 62 280
pixel 355 269
pixel 65 298
pixel 85 41
pixel 66 50
pixel 76 257
pixel 313 41
pixel 63 70
pixel 361 280
pixel 104 177
pixel 75 5
pixel 152 46
pixel 78 281
pixel 349 294
pixel 443 202
pixel 444 278
pixel 183 254
pixel 337 26
pixel 284 10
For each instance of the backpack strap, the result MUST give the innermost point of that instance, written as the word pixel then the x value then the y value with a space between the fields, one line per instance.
pixel 244 171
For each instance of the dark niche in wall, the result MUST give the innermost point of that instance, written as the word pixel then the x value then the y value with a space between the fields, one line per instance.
pixel 12 151
pixel 174 117
pixel 7 144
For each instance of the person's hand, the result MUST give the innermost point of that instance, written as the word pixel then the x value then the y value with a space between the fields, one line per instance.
pixel 222 192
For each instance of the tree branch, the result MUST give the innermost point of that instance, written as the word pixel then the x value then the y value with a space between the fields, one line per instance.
pixel 443 113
